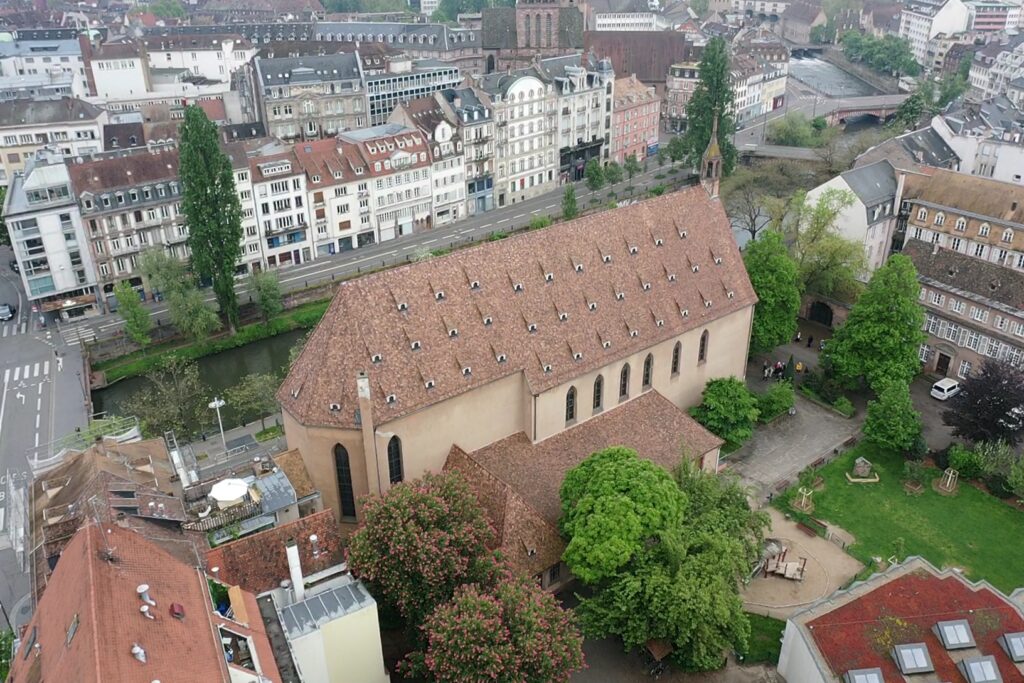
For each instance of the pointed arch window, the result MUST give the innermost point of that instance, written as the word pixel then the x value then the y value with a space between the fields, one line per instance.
pixel 346 495
pixel 648 371
pixel 677 352
pixel 702 351
pixel 624 383
pixel 570 405
pixel 598 392
pixel 395 470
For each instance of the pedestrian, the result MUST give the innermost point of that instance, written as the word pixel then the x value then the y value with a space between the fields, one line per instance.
pixel 810 341
pixel 764 370
pixel 799 335
pixel 821 345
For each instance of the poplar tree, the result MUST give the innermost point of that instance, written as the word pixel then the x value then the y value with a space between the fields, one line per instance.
pixel 212 209
pixel 712 97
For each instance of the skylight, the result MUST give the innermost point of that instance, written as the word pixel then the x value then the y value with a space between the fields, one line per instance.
pixel 1013 643
pixel 954 634
pixel 863 676
pixel 913 658
pixel 981 670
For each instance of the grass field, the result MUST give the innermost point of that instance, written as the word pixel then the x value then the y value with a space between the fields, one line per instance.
pixel 765 640
pixel 971 530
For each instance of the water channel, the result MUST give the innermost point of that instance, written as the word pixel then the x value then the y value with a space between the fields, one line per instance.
pixel 218 372
pixel 827 78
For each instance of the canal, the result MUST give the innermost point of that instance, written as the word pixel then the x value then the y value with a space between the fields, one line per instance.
pixel 827 78
pixel 219 372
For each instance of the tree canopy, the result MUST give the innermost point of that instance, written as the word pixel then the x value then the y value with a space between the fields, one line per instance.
pixel 174 400
pixel 253 396
pixel 713 97
pixel 266 290
pixel 892 421
pixel 752 193
pixel 776 280
pixel 828 263
pixel 569 208
pixel 990 404
pixel 137 322
pixel 880 339
pixel 594 175
pixel 889 54
pixel 449 10
pixel 727 409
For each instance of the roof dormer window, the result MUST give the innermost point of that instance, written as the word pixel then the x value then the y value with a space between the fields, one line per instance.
pixel 549 277
pixel 453 332
pixel 475 284
pixel 415 346
pixel 579 267
pixel 592 305
pixel 577 356
pixel 402 306
pixel 563 316
pixel 647 286
pixel 467 371
pixel 607 258
pixel 391 398
pixel 633 251
pixel 439 295
pixel 517 287
pixel 532 327
pixel 376 358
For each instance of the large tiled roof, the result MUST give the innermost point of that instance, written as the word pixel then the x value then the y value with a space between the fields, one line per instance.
pixel 38 112
pixel 129 170
pixel 873 183
pixel 258 562
pixel 1003 202
pixel 967 274
pixel 517 481
pixel 648 54
pixel 310 69
pixel 857 629
pixel 195 41
pixel 803 12
pixel 427 322
pixel 402 35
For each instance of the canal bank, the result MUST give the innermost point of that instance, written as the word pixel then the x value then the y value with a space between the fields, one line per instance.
pixel 829 79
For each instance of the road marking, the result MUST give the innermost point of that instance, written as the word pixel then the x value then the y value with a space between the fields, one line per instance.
pixel 17 373
pixel 37 418
pixel 483 227
pixel 7 375
pixel 519 215
pixel 429 241
pixel 390 253
pixel 550 206
pixel 25 375
pixel 39 403
pixel 46 369
pixel 35 370
pixel 21 397
pixel 3 401
pixel 503 220
pixel 24 328
pixel 5 330
pixel 40 392
pixel 37 441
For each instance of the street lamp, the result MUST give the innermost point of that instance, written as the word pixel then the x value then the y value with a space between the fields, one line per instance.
pixel 217 404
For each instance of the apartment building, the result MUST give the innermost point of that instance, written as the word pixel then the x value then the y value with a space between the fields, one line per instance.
pixel 995 66
pixel 392 166
pixel 993 16
pixel 333 188
pixel 922 20
pixel 309 97
pixel 211 56
pixel 460 47
pixel 747 75
pixel 679 86
pixel 74 127
pixel 48 238
pixel 584 93
pixel 404 80
pixel 282 212
pixel 625 15
pixel 987 137
pixel 798 19
pixel 471 111
pixel 117 70
pixel 762 9
pixel 58 60
pixel 36 87
pixel 129 201
pixel 240 152
pixel 447 155
pixel 636 116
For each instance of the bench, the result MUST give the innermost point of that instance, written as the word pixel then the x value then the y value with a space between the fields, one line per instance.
pixel 806 529
pixel 782 485
pixel 818 463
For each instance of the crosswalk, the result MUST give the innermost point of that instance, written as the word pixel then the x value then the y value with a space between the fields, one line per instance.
pixel 74 336
pixel 13 329
pixel 28 372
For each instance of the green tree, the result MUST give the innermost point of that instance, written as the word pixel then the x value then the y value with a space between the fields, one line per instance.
pixel 297 348
pixel 998 458
pixel 212 209
pixel 988 407
pixel 632 166
pixel 676 148
pixel 163 272
pixel 912 110
pixel 569 208
pixel 167 9
pixel 713 97
pixel 190 314
pixel 6 643
pixel 828 262
pixel 727 409
pixel 137 322
pixel 889 55
pixel 879 341
pixel 1016 479
pixel 515 632
pixel 594 175
pixel 776 280
pixel 892 422
pixel 419 542
pixel 254 395
pixel 174 399
pixel 792 130
pixel 613 173
pixel 5 237
pixel 266 290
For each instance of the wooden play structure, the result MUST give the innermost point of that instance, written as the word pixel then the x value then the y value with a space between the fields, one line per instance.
pixel 779 566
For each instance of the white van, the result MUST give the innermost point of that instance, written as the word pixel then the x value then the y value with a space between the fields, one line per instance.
pixel 945 388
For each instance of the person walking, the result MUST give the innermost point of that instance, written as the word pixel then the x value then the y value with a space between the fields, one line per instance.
pixel 810 341
pixel 799 336
pixel 764 371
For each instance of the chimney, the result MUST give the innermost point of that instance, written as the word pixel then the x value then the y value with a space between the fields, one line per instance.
pixel 138 652
pixel 368 428
pixel 143 591
pixel 315 542
pixel 295 570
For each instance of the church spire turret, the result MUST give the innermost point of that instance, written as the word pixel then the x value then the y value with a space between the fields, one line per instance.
pixel 711 162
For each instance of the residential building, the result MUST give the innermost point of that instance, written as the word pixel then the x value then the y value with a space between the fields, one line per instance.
pixel 667 304
pixel 974 310
pixel 282 212
pixel 460 47
pixel 993 16
pixel 770 10
pixel 405 80
pixel 584 93
pixel 71 126
pixel 647 54
pixel 393 185
pixel 525 119
pixel 995 66
pixel 58 60
pixel 211 56
pixel 447 155
pixel 949 629
pixel 798 19
pixel 922 20
pixel 471 111
pixel 941 45
pixel 636 118
pixel 117 70
pixel 129 201
pixel 871 219
pixel 881 19
pixel 747 75
pixel 679 86
pixel 513 37
pixel 229 11
pixel 988 138
pixel 333 198
pixel 119 607
pixel 913 151
pixel 36 87
pixel 309 97
pixel 239 153
pixel 48 239
pixel 625 15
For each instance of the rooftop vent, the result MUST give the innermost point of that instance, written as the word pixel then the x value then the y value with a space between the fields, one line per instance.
pixel 718 260
pixel 429 384
pixel 335 407
pixel 563 316
pixel 685 312
pixel 517 287
pixel 633 251
pixel 607 258
pixel 376 358
pixel 912 658
pixel 532 327
pixel 143 592
pixel 402 306
pixel 439 295
pixel 549 277
pixel 467 371
pixel 695 268
pixel 730 294
pixel 671 277
pixel 453 332
pixel 144 610
pixel 547 368
pixel 619 296
pixel 390 398
pixel 606 344
pixel 138 652
pixel 659 323
pixel 177 611
pixel 633 333
pixel 592 305
pixel 475 284
pixel 579 267
pixel 659 242
pixel 501 357
pixel 682 234
pixel 647 286
pixel 415 345
pixel 707 303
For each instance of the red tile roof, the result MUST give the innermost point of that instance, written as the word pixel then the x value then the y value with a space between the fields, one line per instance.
pixel 214 109
pixel 130 170
pixel 666 256
pixel 323 159
pixel 258 562
pixel 517 481
pixel 901 607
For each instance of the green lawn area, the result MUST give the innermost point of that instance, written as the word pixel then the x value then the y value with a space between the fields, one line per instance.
pixel 972 530
pixel 765 640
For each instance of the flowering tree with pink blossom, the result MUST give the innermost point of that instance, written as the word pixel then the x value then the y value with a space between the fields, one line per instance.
pixel 515 632
pixel 419 542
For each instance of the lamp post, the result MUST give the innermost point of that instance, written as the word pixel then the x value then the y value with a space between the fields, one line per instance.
pixel 217 404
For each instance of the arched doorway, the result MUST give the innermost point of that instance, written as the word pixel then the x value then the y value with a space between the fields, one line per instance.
pixel 821 313
pixel 490 64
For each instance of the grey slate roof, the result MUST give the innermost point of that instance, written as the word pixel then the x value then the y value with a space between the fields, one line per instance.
pixel 444 37
pixel 312 69
pixel 40 111
pixel 276 492
pixel 303 618
pixel 968 274
pixel 998 115
pixel 873 183
pixel 910 150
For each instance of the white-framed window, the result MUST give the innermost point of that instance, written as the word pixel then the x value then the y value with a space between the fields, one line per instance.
pixel 983 230
pixel 979 314
pixel 922 214
pixel 940 218
pixel 973 340
pixel 961 224
pixel 938 299
pixel 924 352
pixel 957 306
pixel 964 370
pixel 1007 236
pixel 1001 323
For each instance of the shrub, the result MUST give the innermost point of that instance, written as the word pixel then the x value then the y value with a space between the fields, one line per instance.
pixel 777 400
pixel 915 472
pixel 728 409
pixel 538 222
pixel 998 486
pixel 967 462
pixel 497 235
pixel 826 388
pixel 657 190
pixel 844 407
pixel 941 457
pixel 917 449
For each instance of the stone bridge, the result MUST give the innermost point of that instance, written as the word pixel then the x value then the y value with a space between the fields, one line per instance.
pixel 882 107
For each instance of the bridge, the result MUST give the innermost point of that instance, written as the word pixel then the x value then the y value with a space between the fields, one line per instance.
pixel 751 150
pixel 882 107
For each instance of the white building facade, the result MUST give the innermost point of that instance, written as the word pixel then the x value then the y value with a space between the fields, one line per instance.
pixel 922 20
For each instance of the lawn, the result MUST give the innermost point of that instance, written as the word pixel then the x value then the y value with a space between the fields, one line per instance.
pixel 972 530
pixel 765 640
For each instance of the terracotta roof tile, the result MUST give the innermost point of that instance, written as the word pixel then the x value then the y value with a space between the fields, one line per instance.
pixel 679 244
pixel 129 170
pixel 982 196
pixel 955 271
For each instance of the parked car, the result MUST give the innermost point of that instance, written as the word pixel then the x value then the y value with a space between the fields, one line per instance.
pixel 945 389
pixel 14 266
pixel 7 312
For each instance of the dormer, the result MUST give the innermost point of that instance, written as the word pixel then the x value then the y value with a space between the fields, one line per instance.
pixel 517 287
pixel 415 345
pixel 376 358
pixel 474 285
pixel 549 277
pixel 563 316
pixel 607 258
pixel 578 267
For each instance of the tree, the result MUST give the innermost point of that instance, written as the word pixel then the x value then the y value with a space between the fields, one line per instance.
pixel 613 173
pixel 254 395
pixel 711 99
pixel 190 314
pixel 212 209
pixel 447 10
pixel 163 272
pixel 266 289
pixel 828 262
pixel 5 237
pixel 998 458
pixel 889 55
pixel 911 110
pixel 792 130
pixel 879 341
pixel 515 632
pixel 676 148
pixel 594 175
pixel 419 541
pixel 632 166
pixel 569 208
pixel 297 348
pixel 174 399
pixel 137 322
pixel 776 280
pixel 990 404
pixel 727 409
pixel 892 422
pixel 753 194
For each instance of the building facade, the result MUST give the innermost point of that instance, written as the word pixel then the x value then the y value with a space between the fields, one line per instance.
pixel 636 117
pixel 584 94
pixel 281 209
pixel 988 138
pixel 679 87
pixel 58 60
pixel 72 126
pixel 212 56
pixel 923 20
pixel 471 112
pixel 514 37
pixel 403 81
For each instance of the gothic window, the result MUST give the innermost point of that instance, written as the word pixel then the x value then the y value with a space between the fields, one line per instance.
pixel 570 405
pixel 624 382
pixel 346 496
pixel 648 371
pixel 395 474
pixel 598 392
pixel 702 352
pixel 677 352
